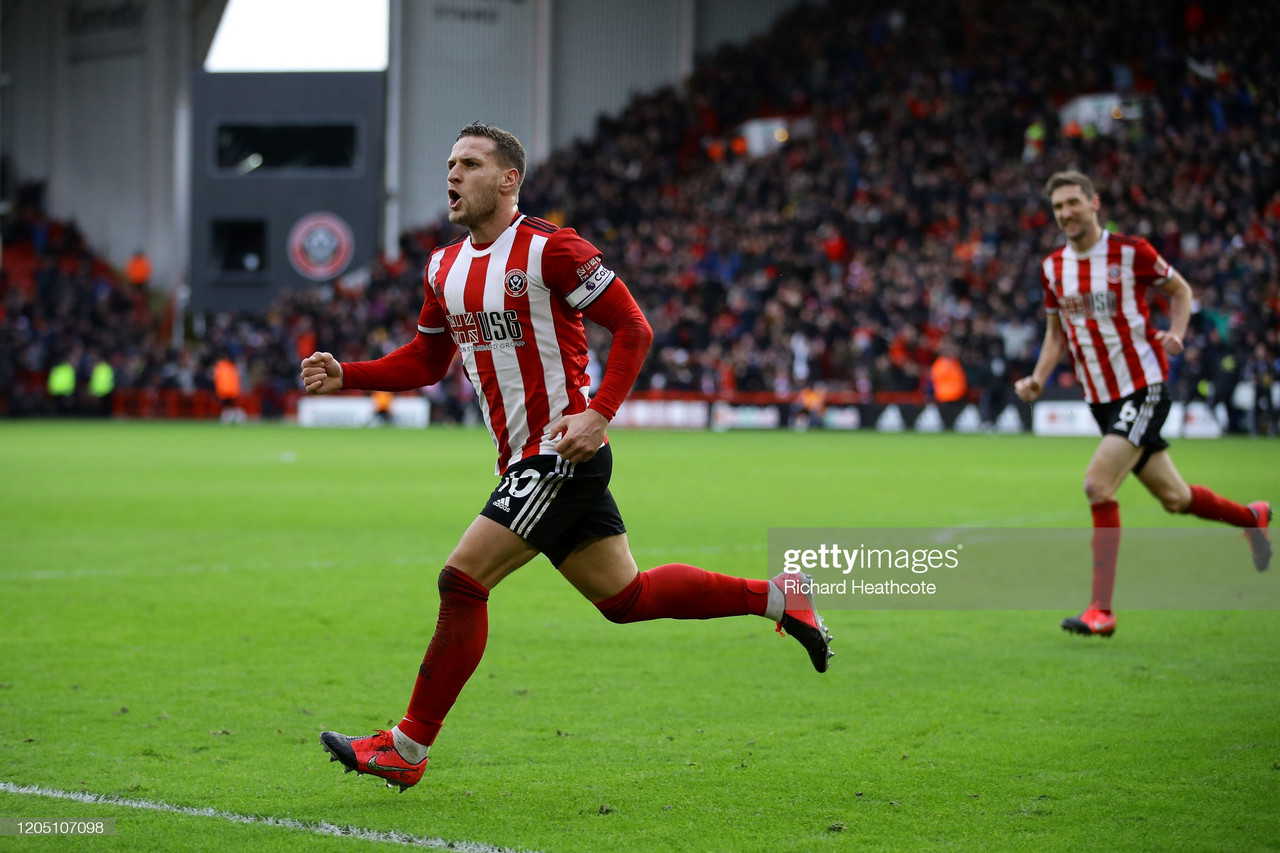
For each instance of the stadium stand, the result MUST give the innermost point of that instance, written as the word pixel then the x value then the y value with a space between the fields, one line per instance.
pixel 904 210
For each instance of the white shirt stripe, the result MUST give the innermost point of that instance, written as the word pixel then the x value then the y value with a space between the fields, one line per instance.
pixel 549 354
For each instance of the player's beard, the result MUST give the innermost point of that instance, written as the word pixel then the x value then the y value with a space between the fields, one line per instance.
pixel 478 207
pixel 1079 230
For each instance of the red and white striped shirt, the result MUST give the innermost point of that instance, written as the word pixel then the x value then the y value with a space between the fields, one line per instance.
pixel 514 310
pixel 1101 297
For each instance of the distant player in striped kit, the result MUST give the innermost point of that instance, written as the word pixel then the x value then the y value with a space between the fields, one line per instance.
pixel 509 298
pixel 1095 296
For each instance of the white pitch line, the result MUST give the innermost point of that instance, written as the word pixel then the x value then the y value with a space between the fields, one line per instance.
pixel 321 828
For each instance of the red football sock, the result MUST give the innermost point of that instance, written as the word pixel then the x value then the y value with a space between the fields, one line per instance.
pixel 1206 504
pixel 679 591
pixel 453 654
pixel 1106 547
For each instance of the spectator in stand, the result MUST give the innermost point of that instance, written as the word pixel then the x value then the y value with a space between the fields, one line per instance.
pixel 102 384
pixel 950 385
pixel 381 408
pixel 226 383
pixel 811 406
pixel 1261 373
pixel 138 271
pixel 1225 367
pixel 62 386
pixel 947 379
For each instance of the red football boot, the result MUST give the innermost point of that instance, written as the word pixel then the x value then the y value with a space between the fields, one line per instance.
pixel 800 619
pixel 375 755
pixel 1092 621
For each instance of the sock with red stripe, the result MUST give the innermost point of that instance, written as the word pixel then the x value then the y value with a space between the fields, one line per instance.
pixel 1106 548
pixel 453 654
pixel 680 591
pixel 1206 504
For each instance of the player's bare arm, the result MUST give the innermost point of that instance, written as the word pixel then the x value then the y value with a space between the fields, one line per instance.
pixel 1179 292
pixel 1029 388
pixel 321 373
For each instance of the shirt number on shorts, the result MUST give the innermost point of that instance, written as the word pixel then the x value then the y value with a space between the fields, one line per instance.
pixel 520 484
pixel 1128 414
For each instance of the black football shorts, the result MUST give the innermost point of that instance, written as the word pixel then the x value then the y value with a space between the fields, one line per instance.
pixel 1137 419
pixel 556 505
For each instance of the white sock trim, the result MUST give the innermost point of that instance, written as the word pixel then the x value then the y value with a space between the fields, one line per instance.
pixel 410 750
pixel 777 603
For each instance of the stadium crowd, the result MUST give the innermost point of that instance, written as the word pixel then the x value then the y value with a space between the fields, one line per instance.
pixel 900 222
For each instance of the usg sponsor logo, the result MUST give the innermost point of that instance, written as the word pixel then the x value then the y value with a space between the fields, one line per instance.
pixel 1101 303
pixel 469 328
pixel 320 246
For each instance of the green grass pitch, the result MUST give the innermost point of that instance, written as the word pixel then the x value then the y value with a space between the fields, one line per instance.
pixel 183 608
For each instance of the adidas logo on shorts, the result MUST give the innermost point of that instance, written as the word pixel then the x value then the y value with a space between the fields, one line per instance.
pixel 503 503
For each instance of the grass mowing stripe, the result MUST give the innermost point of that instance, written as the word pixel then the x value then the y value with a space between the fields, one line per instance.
pixel 321 828
pixel 222 568
pixel 201 569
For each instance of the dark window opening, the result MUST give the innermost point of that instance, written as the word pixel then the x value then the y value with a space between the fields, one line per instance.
pixel 247 148
pixel 240 245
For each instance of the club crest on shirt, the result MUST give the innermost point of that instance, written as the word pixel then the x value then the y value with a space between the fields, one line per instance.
pixel 516 282
pixel 1113 274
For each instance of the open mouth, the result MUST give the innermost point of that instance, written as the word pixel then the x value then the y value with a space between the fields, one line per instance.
pixel 454 198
